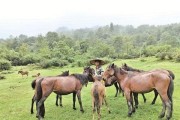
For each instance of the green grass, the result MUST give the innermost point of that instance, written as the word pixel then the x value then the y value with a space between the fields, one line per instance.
pixel 16 94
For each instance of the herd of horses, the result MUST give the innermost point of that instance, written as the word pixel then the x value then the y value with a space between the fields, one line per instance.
pixel 127 80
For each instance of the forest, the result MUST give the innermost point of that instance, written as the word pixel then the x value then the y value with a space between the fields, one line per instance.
pixel 75 47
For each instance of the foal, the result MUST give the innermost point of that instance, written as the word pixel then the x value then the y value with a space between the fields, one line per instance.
pixel 98 96
pixel 37 75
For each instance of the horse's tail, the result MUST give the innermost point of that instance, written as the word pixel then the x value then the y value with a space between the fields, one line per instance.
pixel 33 84
pixel 171 74
pixel 170 91
pixel 96 97
pixel 39 90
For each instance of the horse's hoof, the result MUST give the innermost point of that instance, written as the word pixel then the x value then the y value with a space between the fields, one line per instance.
pixel 56 104
pixel 136 107
pixel 32 112
pixel 161 116
pixel 61 105
pixel 152 103
pixel 109 112
pixel 82 111
pixel 74 108
pixel 129 114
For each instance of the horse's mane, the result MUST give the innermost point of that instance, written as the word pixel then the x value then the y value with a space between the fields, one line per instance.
pixel 128 68
pixel 83 78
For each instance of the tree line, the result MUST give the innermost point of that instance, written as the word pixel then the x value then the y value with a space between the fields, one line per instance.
pixel 76 47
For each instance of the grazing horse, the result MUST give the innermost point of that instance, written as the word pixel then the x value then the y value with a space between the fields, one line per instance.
pixel 142 83
pixel 33 85
pixel 60 85
pixel 98 96
pixel 23 72
pixel 128 68
pixel 113 82
pixel 37 75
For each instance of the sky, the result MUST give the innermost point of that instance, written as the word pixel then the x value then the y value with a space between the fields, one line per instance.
pixel 34 17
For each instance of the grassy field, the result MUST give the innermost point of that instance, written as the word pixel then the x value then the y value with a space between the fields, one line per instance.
pixel 16 94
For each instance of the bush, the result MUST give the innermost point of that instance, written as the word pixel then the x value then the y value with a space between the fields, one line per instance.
pixel 29 59
pixel 53 62
pixel 161 55
pixel 177 58
pixel 5 65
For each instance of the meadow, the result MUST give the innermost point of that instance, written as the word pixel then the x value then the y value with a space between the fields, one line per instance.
pixel 16 94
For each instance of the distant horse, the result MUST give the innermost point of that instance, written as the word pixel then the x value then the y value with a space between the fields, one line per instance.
pixel 33 85
pixel 98 96
pixel 128 68
pixel 60 85
pixel 113 82
pixel 142 83
pixel 23 72
pixel 37 75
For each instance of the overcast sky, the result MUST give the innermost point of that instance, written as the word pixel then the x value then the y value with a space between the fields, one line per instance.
pixel 33 17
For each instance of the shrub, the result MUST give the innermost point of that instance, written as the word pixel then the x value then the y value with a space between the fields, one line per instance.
pixel 161 55
pixel 5 65
pixel 177 58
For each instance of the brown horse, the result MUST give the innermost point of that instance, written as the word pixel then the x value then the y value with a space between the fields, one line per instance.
pixel 98 96
pixel 37 75
pixel 23 72
pixel 33 85
pixel 142 83
pixel 60 85
pixel 128 68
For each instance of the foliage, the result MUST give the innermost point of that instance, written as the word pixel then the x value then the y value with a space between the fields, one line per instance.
pixel 5 64
pixel 110 41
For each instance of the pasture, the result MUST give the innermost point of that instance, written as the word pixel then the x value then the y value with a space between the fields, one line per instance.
pixel 16 94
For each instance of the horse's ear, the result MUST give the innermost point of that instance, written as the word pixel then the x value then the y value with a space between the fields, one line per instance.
pixel 125 64
pixel 112 65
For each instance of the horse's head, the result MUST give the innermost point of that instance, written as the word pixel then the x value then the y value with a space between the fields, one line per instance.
pixel 20 71
pixel 110 81
pixel 125 67
pixel 65 73
pixel 109 72
pixel 88 70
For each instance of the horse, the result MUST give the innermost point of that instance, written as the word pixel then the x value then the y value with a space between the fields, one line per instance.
pixel 37 75
pixel 114 82
pixel 142 83
pixel 33 85
pixel 128 68
pixel 98 96
pixel 23 72
pixel 60 85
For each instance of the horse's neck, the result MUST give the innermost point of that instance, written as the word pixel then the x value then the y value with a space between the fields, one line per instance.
pixel 120 77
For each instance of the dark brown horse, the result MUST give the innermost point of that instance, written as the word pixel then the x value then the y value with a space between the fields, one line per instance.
pixel 33 85
pixel 98 96
pixel 128 68
pixel 142 83
pixel 60 85
pixel 107 84
pixel 23 72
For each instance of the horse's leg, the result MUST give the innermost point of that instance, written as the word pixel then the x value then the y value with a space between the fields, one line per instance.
pixel 155 97
pixel 79 99
pixel 128 98
pixel 57 99
pixel 132 103
pixel 106 104
pixel 93 107
pixel 144 97
pixel 117 88
pixel 168 105
pixel 60 102
pixel 40 108
pixel 32 104
pixel 136 99
pixel 74 100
